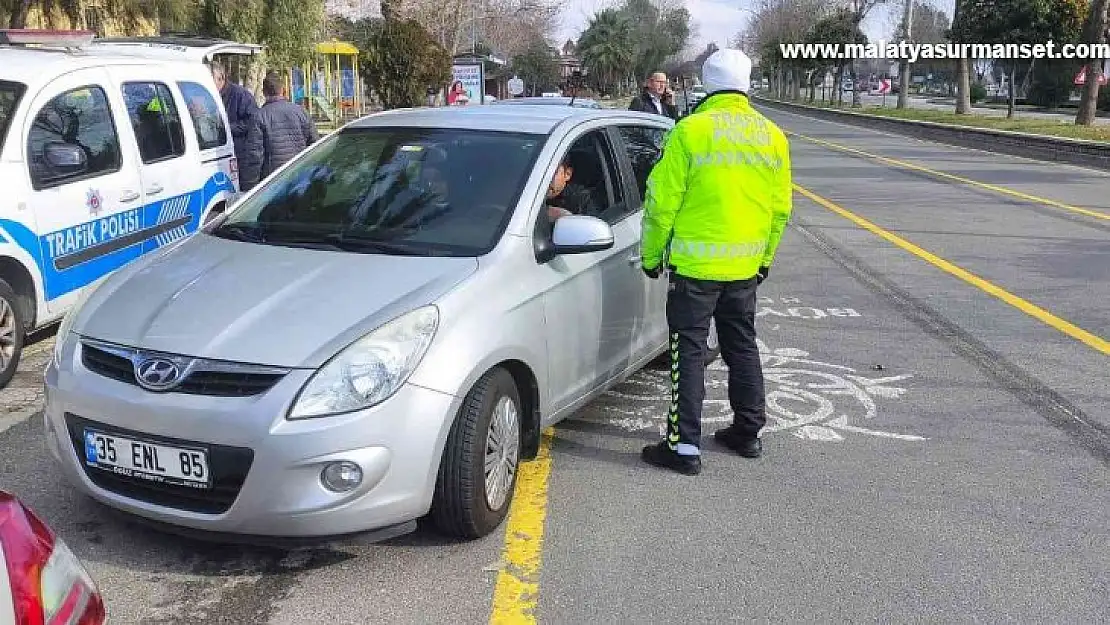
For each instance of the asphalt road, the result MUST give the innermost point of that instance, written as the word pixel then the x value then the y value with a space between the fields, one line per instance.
pixel 937 449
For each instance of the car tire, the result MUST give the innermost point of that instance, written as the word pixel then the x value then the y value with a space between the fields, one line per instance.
pixel 462 505
pixel 12 333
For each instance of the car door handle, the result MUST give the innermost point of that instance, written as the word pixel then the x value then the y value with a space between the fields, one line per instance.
pixel 129 196
pixel 154 188
pixel 634 259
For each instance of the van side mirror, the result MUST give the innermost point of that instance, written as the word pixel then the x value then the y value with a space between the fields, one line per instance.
pixel 65 158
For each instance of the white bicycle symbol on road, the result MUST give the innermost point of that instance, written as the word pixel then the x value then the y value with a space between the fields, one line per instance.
pixel 802 397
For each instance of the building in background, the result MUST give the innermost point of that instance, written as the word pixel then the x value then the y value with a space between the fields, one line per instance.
pixel 568 60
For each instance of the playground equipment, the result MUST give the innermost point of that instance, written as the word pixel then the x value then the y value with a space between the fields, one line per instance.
pixel 329 86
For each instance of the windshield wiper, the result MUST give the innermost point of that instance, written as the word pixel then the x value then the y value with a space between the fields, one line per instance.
pixel 240 232
pixel 361 244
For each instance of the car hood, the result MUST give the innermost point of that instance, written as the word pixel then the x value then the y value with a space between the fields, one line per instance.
pixel 244 302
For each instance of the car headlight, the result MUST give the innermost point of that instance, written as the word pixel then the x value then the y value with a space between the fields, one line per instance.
pixel 370 370
pixel 65 328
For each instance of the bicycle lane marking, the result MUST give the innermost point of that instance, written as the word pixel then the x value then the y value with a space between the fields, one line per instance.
pixel 516 593
pixel 802 398
pixel 940 174
pixel 1091 340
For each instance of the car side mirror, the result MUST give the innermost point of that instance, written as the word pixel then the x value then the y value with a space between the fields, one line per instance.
pixel 579 234
pixel 65 158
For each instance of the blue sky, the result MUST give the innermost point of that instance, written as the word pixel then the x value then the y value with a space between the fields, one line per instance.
pixel 719 20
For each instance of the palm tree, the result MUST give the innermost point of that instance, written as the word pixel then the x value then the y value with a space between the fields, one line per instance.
pixel 606 48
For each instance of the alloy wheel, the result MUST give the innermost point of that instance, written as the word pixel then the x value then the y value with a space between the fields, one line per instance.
pixel 502 452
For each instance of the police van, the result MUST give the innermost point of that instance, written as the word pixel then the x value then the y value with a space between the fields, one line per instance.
pixel 109 150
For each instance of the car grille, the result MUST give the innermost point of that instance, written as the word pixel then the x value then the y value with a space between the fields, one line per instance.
pixel 228 467
pixel 208 378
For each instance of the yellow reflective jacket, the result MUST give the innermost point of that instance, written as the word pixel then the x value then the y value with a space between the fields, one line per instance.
pixel 720 197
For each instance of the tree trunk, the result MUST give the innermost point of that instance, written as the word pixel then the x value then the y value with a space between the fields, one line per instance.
pixel 1088 103
pixel 1013 91
pixel 963 86
pixel 20 12
pixel 1094 31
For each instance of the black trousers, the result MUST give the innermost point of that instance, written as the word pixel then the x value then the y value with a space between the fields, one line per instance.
pixel 691 304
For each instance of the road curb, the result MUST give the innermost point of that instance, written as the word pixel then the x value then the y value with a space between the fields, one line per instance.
pixel 1081 152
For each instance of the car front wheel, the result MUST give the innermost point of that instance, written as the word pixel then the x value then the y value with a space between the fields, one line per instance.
pixel 11 333
pixel 477 474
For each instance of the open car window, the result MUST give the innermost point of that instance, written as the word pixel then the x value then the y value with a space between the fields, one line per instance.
pixel 413 191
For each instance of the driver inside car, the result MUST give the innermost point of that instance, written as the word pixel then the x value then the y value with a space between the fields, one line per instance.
pixel 565 197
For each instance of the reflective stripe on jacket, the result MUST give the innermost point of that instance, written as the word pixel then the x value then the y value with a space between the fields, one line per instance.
pixel 721 195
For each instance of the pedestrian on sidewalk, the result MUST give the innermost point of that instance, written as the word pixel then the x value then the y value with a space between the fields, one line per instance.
pixel 242 114
pixel 286 127
pixel 717 204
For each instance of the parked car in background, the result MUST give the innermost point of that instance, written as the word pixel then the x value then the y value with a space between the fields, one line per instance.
pixel 585 103
pixel 106 156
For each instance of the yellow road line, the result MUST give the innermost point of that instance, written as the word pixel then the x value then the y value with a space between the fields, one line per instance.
pixel 941 174
pixel 1032 310
pixel 517 591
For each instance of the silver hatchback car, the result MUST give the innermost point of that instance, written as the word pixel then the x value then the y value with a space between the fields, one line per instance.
pixel 376 333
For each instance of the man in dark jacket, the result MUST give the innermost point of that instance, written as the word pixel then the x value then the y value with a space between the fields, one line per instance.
pixel 242 113
pixel 655 97
pixel 286 128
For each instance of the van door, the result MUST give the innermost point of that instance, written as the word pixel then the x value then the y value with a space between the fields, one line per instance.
pixel 170 171
pixel 86 192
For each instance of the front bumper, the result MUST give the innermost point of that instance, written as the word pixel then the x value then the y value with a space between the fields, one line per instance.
pixel 265 470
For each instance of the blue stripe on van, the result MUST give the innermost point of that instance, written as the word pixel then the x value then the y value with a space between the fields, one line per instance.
pixel 76 256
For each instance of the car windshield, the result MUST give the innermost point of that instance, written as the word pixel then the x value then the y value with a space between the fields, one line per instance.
pixel 10 93
pixel 400 191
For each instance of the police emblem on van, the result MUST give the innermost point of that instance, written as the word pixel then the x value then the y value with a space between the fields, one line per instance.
pixel 95 202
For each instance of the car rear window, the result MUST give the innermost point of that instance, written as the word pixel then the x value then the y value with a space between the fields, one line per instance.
pixel 10 93
pixel 411 191
pixel 209 124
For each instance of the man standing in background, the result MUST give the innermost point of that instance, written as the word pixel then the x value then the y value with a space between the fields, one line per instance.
pixel 242 114
pixel 655 97
pixel 286 128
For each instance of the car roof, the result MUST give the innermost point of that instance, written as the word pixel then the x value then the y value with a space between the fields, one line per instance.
pixel 34 65
pixel 526 119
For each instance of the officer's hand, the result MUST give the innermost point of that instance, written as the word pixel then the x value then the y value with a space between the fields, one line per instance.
pixel 762 275
pixel 652 273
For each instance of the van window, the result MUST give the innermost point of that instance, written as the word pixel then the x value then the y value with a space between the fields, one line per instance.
pixel 10 93
pixel 154 117
pixel 209 124
pixel 80 117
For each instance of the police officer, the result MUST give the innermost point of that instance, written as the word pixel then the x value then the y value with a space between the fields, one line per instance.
pixel 716 207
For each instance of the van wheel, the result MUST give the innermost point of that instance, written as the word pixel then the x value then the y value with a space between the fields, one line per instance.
pixel 12 330
pixel 477 474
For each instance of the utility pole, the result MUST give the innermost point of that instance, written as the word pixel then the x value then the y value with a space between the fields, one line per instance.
pixel 904 63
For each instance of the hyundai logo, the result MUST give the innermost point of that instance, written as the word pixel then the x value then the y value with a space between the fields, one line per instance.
pixel 157 374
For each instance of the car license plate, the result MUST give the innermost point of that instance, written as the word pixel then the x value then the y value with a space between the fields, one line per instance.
pixel 156 462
